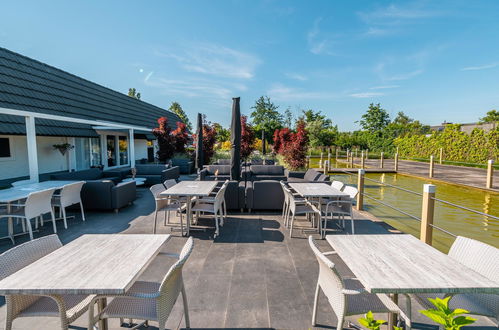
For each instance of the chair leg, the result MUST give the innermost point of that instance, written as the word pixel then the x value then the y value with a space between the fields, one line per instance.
pixel 30 231
pixel 353 225
pixel 341 320
pixel 291 226
pixel 181 224
pixel 64 217
pixel 82 212
pixel 217 231
pixel 186 308
pixel 53 220
pixel 165 215
pixel 316 302
pixel 155 220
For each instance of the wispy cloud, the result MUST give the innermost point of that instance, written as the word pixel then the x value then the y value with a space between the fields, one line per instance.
pixel 216 60
pixel 317 43
pixel 481 67
pixel 378 32
pixel 385 87
pixel 148 76
pixel 296 76
pixel 366 95
pixel 405 76
pixel 396 12
pixel 281 92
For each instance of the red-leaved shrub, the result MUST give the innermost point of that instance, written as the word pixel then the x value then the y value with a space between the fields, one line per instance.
pixel 292 145
pixel 247 138
pixel 170 142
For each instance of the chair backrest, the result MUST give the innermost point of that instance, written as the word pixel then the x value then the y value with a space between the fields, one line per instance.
pixel 169 183
pixel 285 190
pixel 38 203
pixel 220 196
pixel 22 255
pixel 71 193
pixel 21 183
pixel 172 282
pixel 479 256
pixel 329 280
pixel 337 185
pixel 157 189
pixel 351 191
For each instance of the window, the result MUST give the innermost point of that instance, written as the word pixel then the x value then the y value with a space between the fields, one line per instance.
pixel 95 156
pixel 123 144
pixel 82 154
pixel 5 148
pixel 111 150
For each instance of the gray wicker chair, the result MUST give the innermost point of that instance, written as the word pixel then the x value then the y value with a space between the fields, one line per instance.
pixel 67 307
pixel 482 258
pixel 149 301
pixel 166 204
pixel 346 296
pixel 70 195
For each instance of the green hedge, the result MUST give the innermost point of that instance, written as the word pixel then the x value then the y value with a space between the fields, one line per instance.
pixel 477 147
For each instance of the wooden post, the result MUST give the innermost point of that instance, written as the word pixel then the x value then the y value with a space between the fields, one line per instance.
pixel 381 160
pixel 367 153
pixel 351 159
pixel 441 156
pixel 490 174
pixel 322 158
pixel 337 152
pixel 396 162
pixel 348 157
pixel 432 160
pixel 329 159
pixel 362 160
pixel 427 212
pixel 360 188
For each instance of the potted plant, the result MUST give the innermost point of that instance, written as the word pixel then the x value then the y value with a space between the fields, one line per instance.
pixel 63 147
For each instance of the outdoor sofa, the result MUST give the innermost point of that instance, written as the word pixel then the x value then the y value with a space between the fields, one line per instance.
pixel 264 195
pixel 101 190
pixel 156 173
pixel 264 172
pixel 186 166
pixel 310 175
pixel 209 171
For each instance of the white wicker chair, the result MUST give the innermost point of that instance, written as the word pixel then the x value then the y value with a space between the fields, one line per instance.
pixel 212 197
pixel 345 296
pixel 149 301
pixel 285 207
pixel 482 258
pixel 340 208
pixel 165 204
pixel 36 205
pixel 67 307
pixel 70 195
pixel 337 185
pixel 298 207
pixel 215 208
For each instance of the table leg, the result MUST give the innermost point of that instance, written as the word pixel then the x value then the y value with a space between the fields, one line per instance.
pixel 102 303
pixel 188 215
pixel 392 317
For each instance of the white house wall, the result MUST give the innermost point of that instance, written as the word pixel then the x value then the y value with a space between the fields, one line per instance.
pixel 140 149
pixel 49 159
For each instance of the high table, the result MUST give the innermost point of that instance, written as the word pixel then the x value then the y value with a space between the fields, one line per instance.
pixel 402 264
pixel 10 195
pixel 91 264
pixel 190 189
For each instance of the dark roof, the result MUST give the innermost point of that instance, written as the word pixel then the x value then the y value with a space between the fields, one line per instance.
pixel 26 84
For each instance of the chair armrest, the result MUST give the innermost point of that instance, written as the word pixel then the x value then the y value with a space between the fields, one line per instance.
pixel 168 254
pixel 328 253
pixel 202 174
pixel 170 173
pixel 123 193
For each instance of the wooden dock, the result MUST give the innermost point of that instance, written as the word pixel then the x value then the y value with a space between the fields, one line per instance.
pixel 355 170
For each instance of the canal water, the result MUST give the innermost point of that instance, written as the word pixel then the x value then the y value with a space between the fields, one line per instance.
pixel 452 219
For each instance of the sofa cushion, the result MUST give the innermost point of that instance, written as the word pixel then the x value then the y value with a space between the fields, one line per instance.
pixel 90 174
pixel 222 169
pixel 150 169
pixel 311 175
pixel 217 177
pixel 294 179
pixel 265 195
pixel 267 170
pixel 268 177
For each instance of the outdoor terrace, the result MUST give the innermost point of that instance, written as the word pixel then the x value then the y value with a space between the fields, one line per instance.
pixel 251 276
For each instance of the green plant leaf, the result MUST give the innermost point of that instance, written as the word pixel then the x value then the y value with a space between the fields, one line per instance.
pixel 463 320
pixel 459 311
pixel 435 315
pixel 364 322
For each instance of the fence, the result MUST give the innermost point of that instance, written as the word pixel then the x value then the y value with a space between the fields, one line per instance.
pixel 427 206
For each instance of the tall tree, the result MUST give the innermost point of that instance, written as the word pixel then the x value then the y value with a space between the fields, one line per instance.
pixel 490 117
pixel 375 119
pixel 288 118
pixel 247 138
pixel 132 92
pixel 311 115
pixel 266 117
pixel 176 108
pixel 223 134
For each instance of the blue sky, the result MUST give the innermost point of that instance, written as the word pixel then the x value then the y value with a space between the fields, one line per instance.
pixel 434 60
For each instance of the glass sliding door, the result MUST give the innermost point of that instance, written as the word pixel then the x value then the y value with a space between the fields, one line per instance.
pixel 82 146
pixel 111 150
pixel 123 145
pixel 95 155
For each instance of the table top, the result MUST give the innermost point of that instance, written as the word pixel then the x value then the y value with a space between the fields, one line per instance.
pixel 21 192
pixel 316 190
pixel 395 263
pixel 91 264
pixel 134 179
pixel 191 188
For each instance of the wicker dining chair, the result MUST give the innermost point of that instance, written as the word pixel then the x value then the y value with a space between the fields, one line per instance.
pixel 340 208
pixel 167 205
pixel 70 195
pixel 298 207
pixel 482 258
pixel 169 183
pixel 346 295
pixel 36 205
pixel 148 301
pixel 67 307
pixel 213 197
pixel 215 208
pixel 338 185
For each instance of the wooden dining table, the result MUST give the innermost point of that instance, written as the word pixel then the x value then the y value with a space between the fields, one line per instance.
pixel 402 264
pixel 190 189
pixel 105 264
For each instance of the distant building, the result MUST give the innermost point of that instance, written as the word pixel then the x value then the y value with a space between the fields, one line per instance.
pixel 467 128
